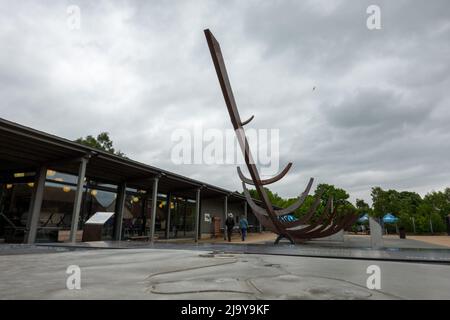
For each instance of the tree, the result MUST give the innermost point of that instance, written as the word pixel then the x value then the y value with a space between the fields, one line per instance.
pixel 439 202
pixel 379 201
pixel 309 201
pixel 340 198
pixel 436 206
pixel 409 201
pixel 387 201
pixel 102 142
pixel 362 207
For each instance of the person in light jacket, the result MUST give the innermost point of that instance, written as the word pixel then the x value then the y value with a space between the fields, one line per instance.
pixel 243 225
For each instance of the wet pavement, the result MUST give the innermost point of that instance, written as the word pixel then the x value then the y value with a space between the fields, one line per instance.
pixel 14 249
pixel 409 269
pixel 351 248
pixel 202 274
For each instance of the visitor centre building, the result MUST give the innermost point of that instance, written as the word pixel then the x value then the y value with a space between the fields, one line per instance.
pixel 50 187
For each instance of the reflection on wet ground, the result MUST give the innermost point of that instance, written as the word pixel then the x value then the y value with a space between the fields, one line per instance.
pixel 350 248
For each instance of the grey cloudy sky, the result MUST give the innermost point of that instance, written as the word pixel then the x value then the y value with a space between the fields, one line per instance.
pixel 379 115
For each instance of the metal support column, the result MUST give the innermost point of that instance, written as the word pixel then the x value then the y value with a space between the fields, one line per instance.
pixel 36 204
pixel 77 200
pixel 197 215
pixel 168 198
pixel 154 206
pixel 225 213
pixel 30 210
pixel 120 205
pixel 143 215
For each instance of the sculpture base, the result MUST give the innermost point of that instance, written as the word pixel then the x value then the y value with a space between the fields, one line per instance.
pixel 281 236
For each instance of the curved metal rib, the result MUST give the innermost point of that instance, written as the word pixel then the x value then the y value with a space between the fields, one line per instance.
pixel 298 203
pixel 328 225
pixel 313 208
pixel 317 223
pixel 252 203
pixel 262 212
pixel 247 121
pixel 341 225
pixel 307 217
pixel 266 181
pixel 308 229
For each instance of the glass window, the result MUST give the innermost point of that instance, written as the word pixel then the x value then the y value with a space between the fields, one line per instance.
pixel 134 217
pixel 56 211
pixel 14 207
pixel 99 201
pixel 182 222
pixel 61 177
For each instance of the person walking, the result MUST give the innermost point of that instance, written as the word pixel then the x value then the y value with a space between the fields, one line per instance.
pixel 243 225
pixel 230 225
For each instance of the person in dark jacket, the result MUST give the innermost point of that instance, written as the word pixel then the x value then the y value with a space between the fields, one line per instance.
pixel 230 225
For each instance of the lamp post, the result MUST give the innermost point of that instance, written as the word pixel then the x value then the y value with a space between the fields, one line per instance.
pixel 414 224
pixel 431 225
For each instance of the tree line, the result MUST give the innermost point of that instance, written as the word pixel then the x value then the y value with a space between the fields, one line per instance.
pixel 415 213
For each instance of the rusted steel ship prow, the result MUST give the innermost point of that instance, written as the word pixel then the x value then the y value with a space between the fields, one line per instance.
pixel 307 227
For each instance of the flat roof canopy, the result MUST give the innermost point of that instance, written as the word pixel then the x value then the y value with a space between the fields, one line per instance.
pixel 23 149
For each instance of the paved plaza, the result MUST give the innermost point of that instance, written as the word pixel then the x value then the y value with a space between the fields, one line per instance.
pixel 40 273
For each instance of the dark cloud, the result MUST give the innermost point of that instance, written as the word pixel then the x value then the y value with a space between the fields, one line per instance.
pixel 140 70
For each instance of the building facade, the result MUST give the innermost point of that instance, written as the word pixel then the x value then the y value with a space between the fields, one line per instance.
pixel 50 186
